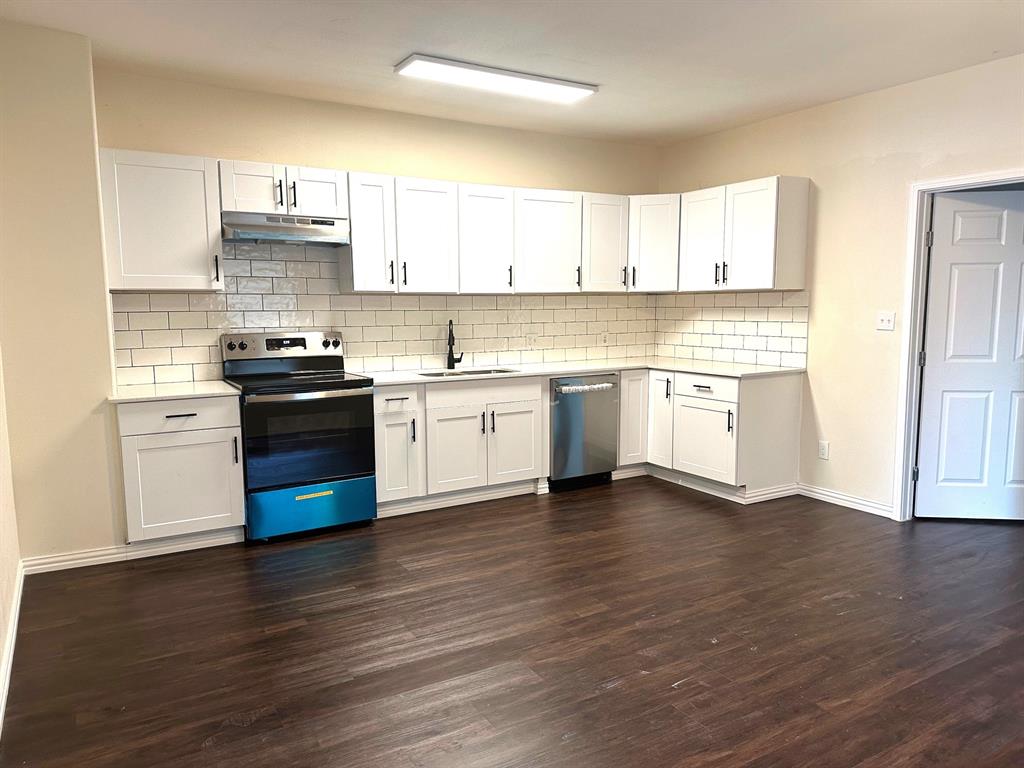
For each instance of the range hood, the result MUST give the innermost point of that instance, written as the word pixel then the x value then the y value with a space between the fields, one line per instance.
pixel 281 228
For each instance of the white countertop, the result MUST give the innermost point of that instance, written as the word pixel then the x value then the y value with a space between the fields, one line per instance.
pixel 137 393
pixel 675 365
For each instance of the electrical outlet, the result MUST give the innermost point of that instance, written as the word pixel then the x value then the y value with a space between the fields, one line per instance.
pixel 823 448
pixel 531 340
pixel 886 321
pixel 604 339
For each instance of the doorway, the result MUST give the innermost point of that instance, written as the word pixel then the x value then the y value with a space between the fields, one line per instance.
pixel 967 450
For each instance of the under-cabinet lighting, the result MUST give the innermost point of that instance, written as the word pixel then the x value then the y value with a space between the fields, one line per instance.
pixel 492 79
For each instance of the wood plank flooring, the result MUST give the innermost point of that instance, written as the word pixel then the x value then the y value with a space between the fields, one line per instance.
pixel 636 624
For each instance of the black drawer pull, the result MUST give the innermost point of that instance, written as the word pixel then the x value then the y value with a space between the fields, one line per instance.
pixel 702 387
pixel 394 399
pixel 179 415
pixel 234 444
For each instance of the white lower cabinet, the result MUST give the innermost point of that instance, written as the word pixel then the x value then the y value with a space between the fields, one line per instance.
pixel 633 417
pixel 659 420
pixel 705 439
pixel 514 443
pixel 457 448
pixel 400 456
pixel 180 480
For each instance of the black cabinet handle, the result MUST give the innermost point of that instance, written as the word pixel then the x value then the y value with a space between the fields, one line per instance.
pixel 280 192
pixel 728 422
pixel 625 277
pixel 579 277
pixel 702 387
pixel 509 275
pixel 295 194
pixel 234 445
pixel 668 390
pixel 179 415
pixel 405 274
pixel 725 273
pixel 492 421
pixel 394 399
pixel 216 267
pixel 414 430
pixel 634 277
pixel 717 266
pixel 391 266
pixel 483 422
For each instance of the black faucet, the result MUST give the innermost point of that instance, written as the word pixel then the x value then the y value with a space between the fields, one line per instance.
pixel 452 359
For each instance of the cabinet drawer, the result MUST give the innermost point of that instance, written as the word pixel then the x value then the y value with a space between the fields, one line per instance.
pixel 164 416
pixel 454 394
pixel 708 387
pixel 396 399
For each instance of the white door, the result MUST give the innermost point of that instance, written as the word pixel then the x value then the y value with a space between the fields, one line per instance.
pixel 428 235
pixel 515 443
pixel 161 221
pixel 659 422
pixel 399 452
pixel 750 227
pixel 971 441
pixel 457 458
pixel 372 221
pixel 317 192
pixel 653 242
pixel 182 482
pixel 252 187
pixel 605 236
pixel 632 417
pixel 705 438
pixel 485 239
pixel 548 241
pixel 701 239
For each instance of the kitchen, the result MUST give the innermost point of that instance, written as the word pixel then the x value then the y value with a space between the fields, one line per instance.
pixel 292 316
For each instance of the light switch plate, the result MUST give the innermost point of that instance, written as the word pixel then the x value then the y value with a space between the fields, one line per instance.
pixel 886 321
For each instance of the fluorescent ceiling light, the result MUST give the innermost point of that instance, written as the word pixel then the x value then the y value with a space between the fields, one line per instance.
pixel 491 79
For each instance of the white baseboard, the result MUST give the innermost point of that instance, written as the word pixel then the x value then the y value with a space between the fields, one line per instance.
pixel 8 639
pixel 634 470
pixel 846 500
pixel 122 552
pixel 457 498
pixel 740 495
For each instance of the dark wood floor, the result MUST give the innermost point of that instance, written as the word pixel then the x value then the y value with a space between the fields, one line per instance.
pixel 638 624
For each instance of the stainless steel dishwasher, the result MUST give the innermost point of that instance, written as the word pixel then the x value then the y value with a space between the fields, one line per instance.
pixel 584 425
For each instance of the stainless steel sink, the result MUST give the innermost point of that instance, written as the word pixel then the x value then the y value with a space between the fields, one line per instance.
pixel 468 372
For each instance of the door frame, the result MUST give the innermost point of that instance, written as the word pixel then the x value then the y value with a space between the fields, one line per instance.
pixel 915 294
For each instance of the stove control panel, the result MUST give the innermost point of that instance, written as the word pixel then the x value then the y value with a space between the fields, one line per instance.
pixel 250 346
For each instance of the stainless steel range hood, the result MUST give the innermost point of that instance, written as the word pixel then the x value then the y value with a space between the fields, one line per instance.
pixel 281 228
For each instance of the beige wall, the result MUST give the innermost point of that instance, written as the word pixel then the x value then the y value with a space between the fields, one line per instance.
pixel 862 155
pixel 10 553
pixel 135 111
pixel 54 325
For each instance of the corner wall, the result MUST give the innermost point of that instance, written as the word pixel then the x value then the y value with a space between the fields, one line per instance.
pixel 54 316
pixel 862 155
pixel 10 556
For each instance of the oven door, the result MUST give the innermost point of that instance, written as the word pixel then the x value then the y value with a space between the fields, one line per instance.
pixel 302 438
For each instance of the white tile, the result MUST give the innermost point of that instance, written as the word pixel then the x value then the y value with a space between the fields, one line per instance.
pixel 255 285
pixel 161 338
pixel 159 302
pixel 172 373
pixel 202 302
pixel 154 356
pixel 269 269
pixel 187 319
pixel 127 339
pixel 127 376
pixel 189 355
pixel 141 321
pixel 198 338
pixel 130 302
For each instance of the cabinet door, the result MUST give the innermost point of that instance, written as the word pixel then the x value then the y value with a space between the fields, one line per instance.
pixel 161 221
pixel 182 482
pixel 705 438
pixel 659 422
pixel 317 192
pixel 749 260
pixel 457 458
pixel 252 187
pixel 605 236
pixel 372 219
pixel 399 447
pixel 548 242
pixel 633 417
pixel 428 235
pixel 653 242
pixel 485 239
pixel 701 239
pixel 515 443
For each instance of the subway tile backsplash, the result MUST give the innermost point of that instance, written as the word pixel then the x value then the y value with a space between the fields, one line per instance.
pixel 173 337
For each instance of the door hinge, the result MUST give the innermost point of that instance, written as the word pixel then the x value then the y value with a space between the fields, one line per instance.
pixel 929 238
pixel 914 474
pixel 921 358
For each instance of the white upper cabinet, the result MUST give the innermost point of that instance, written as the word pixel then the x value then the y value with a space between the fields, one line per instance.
pixel 161 221
pixel 548 241
pixel 317 192
pixel 374 251
pixel 428 235
pixel 252 187
pixel 749 256
pixel 701 239
pixel 653 242
pixel 485 239
pixel 605 237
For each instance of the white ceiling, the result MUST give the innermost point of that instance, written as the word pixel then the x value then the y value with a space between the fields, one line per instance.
pixel 667 69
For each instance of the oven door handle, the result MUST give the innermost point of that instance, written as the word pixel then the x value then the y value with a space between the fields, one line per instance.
pixel 319 395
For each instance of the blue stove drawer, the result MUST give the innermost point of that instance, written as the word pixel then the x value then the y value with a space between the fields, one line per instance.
pixel 308 507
